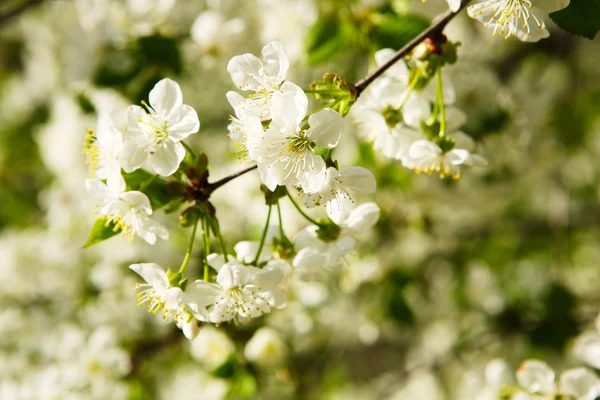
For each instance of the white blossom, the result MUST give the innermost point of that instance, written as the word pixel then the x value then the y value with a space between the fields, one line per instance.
pixel 263 77
pixel 129 211
pixel 102 149
pixel 212 347
pixel 153 135
pixel 266 348
pixel 536 376
pixel 285 153
pixel 241 292
pixel 520 18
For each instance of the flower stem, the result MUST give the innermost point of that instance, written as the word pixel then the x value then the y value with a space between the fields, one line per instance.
pixel 189 149
pixel 308 218
pixel 262 239
pixel 281 231
pixel 328 105
pixel 215 185
pixel 206 242
pixel 221 240
pixel 410 89
pixel 147 183
pixel 440 102
pixel 188 253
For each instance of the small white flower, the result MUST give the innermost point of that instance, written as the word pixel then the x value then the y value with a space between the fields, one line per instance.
pixel 130 211
pixel 581 383
pixel 154 136
pixel 285 153
pixel 241 292
pixel 212 347
pixel 102 149
pixel 520 18
pixel 536 376
pixel 212 32
pixel 266 348
pixel 158 292
pixel 263 78
pixel 315 257
pixel 340 185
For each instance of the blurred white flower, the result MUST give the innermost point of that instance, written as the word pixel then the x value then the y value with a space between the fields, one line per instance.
pixel 102 149
pixel 266 348
pixel 130 211
pixel 241 292
pixel 154 136
pixel 214 33
pixel 536 376
pixel 263 78
pixel 212 347
pixel 520 18
pixel 581 383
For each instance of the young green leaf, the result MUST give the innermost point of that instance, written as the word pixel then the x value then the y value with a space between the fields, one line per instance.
pixel 581 18
pixel 101 231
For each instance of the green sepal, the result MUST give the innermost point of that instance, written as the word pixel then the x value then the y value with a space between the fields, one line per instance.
pixel 190 215
pixel 328 231
pixel 335 90
pixel 283 247
pixel 272 197
pixel 101 230
pixel 175 279
pixel 446 144
pixel 154 187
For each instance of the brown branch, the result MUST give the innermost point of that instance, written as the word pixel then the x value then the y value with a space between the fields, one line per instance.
pixel 436 27
pixel 10 14
pixel 215 185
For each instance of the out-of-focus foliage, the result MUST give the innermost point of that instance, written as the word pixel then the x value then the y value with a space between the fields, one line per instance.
pixel 503 263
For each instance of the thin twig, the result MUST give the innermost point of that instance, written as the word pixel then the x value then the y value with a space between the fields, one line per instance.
pixel 215 185
pixel 10 14
pixel 434 29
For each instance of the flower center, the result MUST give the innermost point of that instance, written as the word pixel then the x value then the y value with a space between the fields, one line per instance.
pixel 299 143
pixel 91 152
pixel 509 15
pixel 393 116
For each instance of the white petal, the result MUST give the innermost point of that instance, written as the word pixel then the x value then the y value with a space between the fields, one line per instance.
pixel 312 179
pixel 152 273
pixel 133 155
pixel 454 5
pixel 423 149
pixel 326 128
pixel 244 72
pixel 581 383
pixel 415 110
pixel 358 180
pixel 99 191
pixel 203 293
pixel 398 71
pixel 536 376
pixel 587 349
pixel 138 201
pixel 288 106
pixel 362 218
pixel 233 274
pixel 276 63
pixel 457 156
pixel 182 122
pixel 165 96
pixel 310 264
pixel 155 228
pixel 166 157
pixel 455 118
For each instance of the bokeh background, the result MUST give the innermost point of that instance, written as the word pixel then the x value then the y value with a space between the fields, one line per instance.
pixel 502 264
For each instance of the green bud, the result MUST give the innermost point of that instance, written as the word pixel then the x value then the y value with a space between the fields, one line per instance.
pixel 271 198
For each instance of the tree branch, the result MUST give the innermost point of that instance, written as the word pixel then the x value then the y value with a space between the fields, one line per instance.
pixel 10 14
pixel 215 185
pixel 436 27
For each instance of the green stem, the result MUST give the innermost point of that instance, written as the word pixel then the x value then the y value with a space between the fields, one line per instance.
pixel 188 253
pixel 328 105
pixel 206 242
pixel 309 219
pixel 189 149
pixel 262 239
pixel 281 232
pixel 440 101
pixel 221 240
pixel 310 91
pixel 410 89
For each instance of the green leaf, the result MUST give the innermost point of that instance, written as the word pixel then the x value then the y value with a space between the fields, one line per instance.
pixel 161 51
pixel 581 18
pixel 329 36
pixel 101 231
pixel 394 31
pixel 154 187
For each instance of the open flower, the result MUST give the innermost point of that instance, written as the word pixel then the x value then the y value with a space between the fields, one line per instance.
pixel 340 185
pixel 263 78
pixel 129 211
pixel 241 292
pixel 285 153
pixel 520 18
pixel 182 307
pixel 154 135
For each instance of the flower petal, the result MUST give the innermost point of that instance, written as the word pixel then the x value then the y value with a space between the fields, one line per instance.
pixel 165 97
pixel 182 122
pixel 326 128
pixel 276 63
pixel 152 273
pixel 288 106
pixel 166 157
pixel 244 70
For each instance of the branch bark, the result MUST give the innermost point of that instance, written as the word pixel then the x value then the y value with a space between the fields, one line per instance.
pixel 18 10
pixel 436 27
